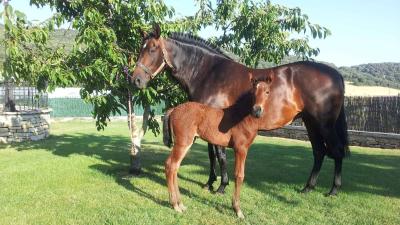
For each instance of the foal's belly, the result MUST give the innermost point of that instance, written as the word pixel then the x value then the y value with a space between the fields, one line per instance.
pixel 210 132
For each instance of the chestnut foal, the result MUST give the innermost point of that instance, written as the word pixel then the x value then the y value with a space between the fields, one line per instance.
pixel 234 127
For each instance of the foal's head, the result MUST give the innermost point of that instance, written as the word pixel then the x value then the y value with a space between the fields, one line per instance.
pixel 261 90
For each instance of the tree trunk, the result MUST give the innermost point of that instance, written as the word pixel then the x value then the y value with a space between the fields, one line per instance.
pixel 136 139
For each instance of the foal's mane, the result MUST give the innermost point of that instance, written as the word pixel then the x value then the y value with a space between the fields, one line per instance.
pixel 199 42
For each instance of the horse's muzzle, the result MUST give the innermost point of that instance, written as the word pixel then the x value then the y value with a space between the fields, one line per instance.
pixel 257 111
pixel 139 83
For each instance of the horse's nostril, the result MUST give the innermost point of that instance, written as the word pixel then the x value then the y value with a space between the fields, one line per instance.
pixel 137 82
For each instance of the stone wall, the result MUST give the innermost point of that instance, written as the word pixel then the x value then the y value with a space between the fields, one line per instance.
pixel 356 138
pixel 24 126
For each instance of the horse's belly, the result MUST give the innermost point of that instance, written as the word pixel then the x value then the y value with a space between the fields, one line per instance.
pixel 273 119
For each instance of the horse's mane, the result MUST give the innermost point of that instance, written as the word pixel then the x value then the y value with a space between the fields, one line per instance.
pixel 199 42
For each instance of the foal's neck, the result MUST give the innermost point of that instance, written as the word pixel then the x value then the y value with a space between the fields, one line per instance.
pixel 239 114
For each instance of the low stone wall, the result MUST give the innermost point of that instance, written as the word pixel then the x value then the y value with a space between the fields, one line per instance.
pixel 356 138
pixel 24 126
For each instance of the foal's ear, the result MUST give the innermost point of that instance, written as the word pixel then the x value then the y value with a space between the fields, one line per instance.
pixel 143 33
pixel 253 81
pixel 156 30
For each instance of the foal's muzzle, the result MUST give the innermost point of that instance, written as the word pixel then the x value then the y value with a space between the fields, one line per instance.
pixel 257 111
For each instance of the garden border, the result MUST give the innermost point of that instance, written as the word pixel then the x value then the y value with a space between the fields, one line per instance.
pixel 356 138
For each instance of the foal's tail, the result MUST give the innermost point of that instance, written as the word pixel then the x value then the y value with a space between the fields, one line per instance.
pixel 167 133
pixel 341 130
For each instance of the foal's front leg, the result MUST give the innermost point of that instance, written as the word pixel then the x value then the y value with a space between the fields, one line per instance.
pixel 171 171
pixel 240 159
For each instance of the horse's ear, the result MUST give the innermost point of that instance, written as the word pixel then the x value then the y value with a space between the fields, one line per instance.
pixel 156 30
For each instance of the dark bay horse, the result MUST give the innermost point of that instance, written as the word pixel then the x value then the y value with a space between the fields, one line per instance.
pixel 310 90
pixel 235 127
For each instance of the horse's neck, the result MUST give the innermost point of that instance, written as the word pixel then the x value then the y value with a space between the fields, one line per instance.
pixel 191 64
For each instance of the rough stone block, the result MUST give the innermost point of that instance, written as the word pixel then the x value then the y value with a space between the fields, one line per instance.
pixel 3 140
pixel 37 137
pixel 5 134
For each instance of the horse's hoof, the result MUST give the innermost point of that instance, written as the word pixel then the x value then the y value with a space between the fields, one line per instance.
pixel 135 171
pixel 331 194
pixel 208 187
pixel 305 190
pixel 183 208
pixel 239 214
pixel 220 190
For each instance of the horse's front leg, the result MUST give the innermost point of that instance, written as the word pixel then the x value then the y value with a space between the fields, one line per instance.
pixel 221 154
pixel 240 158
pixel 213 160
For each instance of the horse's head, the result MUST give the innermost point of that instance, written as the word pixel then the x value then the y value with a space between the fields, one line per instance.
pixel 152 59
pixel 261 89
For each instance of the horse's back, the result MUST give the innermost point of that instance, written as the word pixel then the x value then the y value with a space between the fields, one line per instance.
pixel 303 87
pixel 321 88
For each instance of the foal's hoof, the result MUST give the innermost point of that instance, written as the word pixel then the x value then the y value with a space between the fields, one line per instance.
pixel 178 209
pixel 183 208
pixel 239 214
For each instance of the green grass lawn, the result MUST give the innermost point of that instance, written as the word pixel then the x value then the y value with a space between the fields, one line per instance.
pixel 79 176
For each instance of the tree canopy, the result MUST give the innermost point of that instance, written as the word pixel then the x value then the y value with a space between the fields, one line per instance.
pixel 108 39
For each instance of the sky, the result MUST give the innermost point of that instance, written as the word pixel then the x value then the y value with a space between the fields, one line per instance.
pixel 362 31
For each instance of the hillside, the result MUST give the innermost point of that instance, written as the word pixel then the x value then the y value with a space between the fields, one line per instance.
pixel 58 38
pixel 371 74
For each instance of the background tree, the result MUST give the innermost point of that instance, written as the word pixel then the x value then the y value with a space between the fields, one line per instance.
pixel 108 39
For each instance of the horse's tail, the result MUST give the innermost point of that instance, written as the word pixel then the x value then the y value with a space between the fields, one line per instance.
pixel 167 132
pixel 341 130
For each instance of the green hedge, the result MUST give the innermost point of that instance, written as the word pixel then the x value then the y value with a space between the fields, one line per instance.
pixel 76 107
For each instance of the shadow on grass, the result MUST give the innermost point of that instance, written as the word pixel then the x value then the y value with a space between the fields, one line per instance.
pixel 266 165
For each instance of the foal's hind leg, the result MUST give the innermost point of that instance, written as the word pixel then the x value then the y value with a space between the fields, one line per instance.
pixel 240 159
pixel 171 171
pixel 221 154
pixel 319 150
pixel 213 161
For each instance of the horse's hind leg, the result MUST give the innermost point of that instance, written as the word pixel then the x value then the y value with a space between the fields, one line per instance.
pixel 319 150
pixel 221 154
pixel 335 149
pixel 213 160
pixel 337 179
pixel 171 171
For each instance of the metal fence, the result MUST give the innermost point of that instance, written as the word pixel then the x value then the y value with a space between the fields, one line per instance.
pixel 21 97
pixel 76 107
